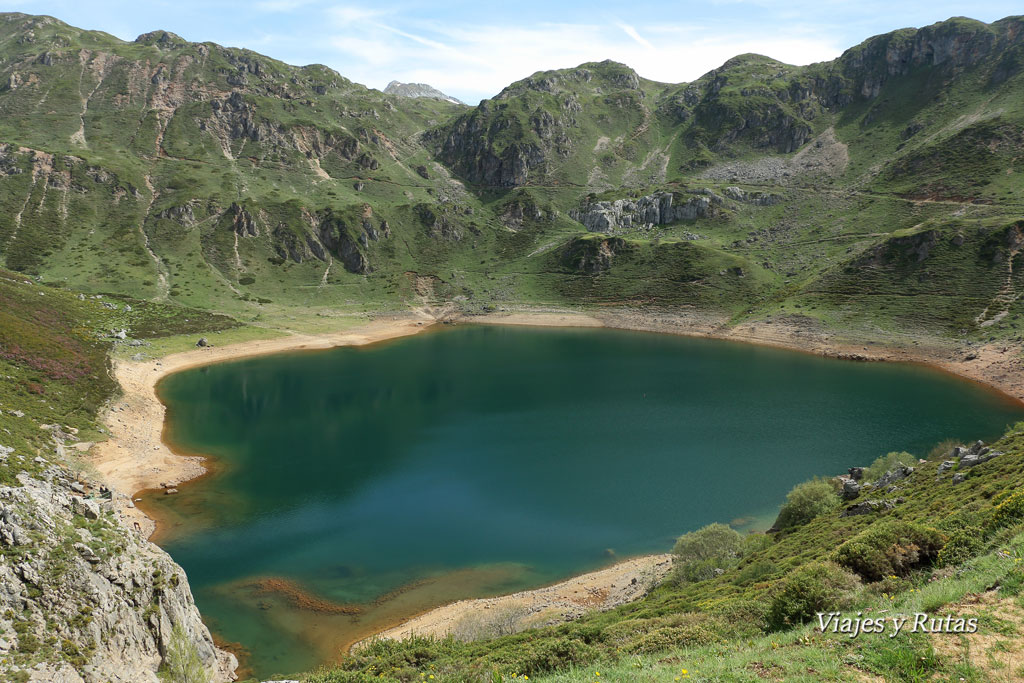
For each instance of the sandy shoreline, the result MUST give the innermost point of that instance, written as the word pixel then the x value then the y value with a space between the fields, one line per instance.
pixel 599 590
pixel 998 366
pixel 136 458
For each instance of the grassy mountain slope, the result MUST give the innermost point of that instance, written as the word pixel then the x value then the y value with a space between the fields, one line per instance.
pixel 222 179
pixel 874 197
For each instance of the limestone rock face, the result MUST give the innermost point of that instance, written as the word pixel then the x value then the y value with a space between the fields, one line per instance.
pixel 654 209
pixel 92 599
pixel 418 90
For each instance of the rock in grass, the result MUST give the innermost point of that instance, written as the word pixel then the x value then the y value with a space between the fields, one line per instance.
pixel 866 507
pixel 89 509
pixel 893 475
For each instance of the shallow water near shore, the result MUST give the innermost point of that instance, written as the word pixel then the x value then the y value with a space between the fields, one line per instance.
pixel 358 486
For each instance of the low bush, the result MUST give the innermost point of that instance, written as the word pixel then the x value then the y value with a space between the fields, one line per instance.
pixel 755 572
pixel 943 449
pixel 963 544
pixel 889 462
pixel 817 587
pixel 503 621
pixel 700 553
pixel 1008 511
pixel 806 501
pixel 890 547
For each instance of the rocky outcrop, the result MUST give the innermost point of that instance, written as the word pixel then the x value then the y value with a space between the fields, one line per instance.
pixel 892 476
pixel 242 223
pixel 470 148
pixel 592 256
pixel 655 209
pixel 91 600
pixel 955 44
pixel 755 198
pixel 333 233
pixel 962 459
pixel 910 248
pixel 418 90
pixel 867 507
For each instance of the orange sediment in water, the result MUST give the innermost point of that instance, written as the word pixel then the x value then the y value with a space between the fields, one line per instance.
pixel 300 598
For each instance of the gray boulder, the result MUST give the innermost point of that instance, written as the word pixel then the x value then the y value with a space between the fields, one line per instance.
pixel 984 454
pixel 867 507
pixel 894 475
pixel 89 509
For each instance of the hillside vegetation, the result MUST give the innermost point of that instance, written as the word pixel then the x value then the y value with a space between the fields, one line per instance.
pixel 873 194
pixel 159 188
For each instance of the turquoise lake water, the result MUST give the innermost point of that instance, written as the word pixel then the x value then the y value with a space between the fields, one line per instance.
pixel 477 460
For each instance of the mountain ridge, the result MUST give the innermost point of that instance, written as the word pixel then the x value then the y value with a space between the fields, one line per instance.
pixel 158 189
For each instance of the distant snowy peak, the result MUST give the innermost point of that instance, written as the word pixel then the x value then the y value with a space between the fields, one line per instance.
pixel 418 90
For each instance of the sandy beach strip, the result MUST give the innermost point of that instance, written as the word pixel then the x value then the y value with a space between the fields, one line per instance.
pixel 595 591
pixel 135 457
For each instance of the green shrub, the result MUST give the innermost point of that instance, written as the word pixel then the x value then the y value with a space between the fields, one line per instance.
pixel 685 629
pixel 327 675
pixel 806 501
pixel 1009 511
pixel 817 587
pixel 755 572
pixel 699 553
pixel 889 462
pixel 963 544
pixel 756 542
pixel 890 547
pixel 182 660
pixel 542 656
pixel 943 449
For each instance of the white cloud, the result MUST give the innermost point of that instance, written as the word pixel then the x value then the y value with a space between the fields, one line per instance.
pixel 473 61
pixel 632 33
pixel 281 5
pixel 347 15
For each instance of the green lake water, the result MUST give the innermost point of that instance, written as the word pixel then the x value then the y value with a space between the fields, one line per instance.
pixel 471 460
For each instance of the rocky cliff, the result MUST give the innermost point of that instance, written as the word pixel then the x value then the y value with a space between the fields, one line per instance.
pixel 656 209
pixel 82 597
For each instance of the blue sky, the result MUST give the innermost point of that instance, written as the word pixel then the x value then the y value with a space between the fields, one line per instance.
pixel 473 49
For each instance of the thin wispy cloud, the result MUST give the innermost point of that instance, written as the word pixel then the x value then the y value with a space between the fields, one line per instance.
pixel 472 50
pixel 281 5
pixel 472 61
pixel 631 32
